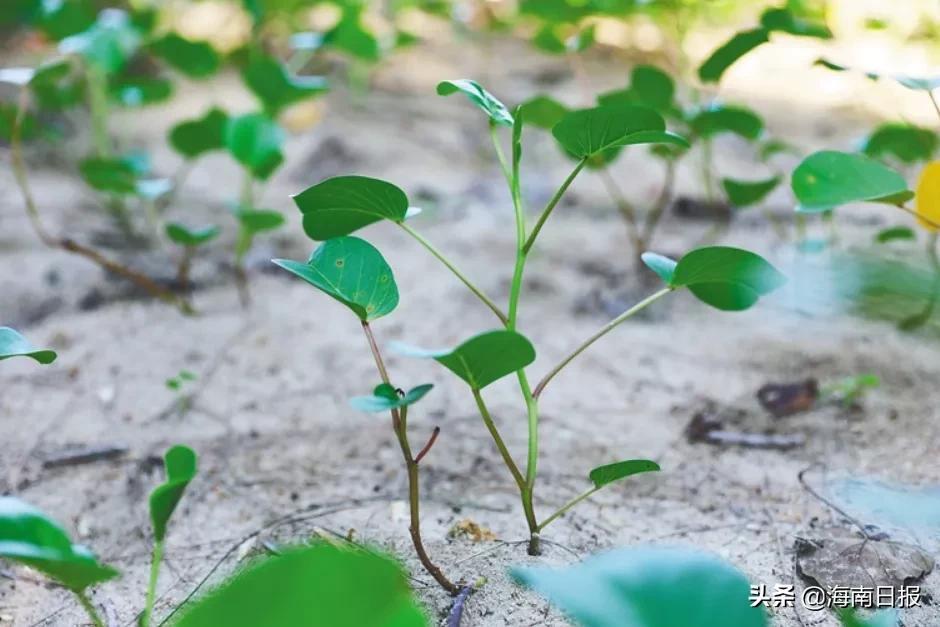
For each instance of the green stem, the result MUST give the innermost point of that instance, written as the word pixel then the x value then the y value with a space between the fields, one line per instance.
pixel 707 170
pixel 567 506
pixel 498 439
pixel 450 266
pixel 98 106
pixel 247 197
pixel 90 609
pixel 607 328
pixel 551 205
pixel 503 163
pixel 152 584
pixel 933 100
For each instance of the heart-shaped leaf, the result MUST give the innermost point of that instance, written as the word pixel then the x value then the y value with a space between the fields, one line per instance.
pixel 543 112
pixel 587 132
pixel 29 537
pixel 602 475
pixel 895 233
pixel 57 85
pixel 482 359
pixel 745 193
pixel 255 140
pixel 197 59
pixel 116 175
pixel 723 119
pixel 258 220
pixel 496 110
pixel 138 91
pixel 344 204
pixel 351 271
pixel 275 87
pixel 12 344
pixel 186 236
pixel 927 202
pixel 318 585
pixel 726 278
pixel 649 87
pixel 180 464
pixel 350 36
pixel 195 137
pixel 108 44
pixel 648 587
pixel 724 57
pixel 905 142
pixel 827 179
pixel 385 397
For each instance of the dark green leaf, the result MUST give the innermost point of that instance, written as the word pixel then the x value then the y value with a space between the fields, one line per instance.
pixel 351 271
pixel 386 397
pixel 648 587
pixel 828 179
pixel 108 44
pixel 350 36
pixel 721 119
pixel 732 50
pixel 582 40
pixel 57 85
pixel 343 204
pixel 602 475
pixel 543 112
pixel 663 266
pixel 63 18
pixel 587 132
pixel 496 110
pixel 255 140
pixel 905 142
pixel 319 585
pixel 745 193
pixel 180 465
pixel 652 87
pixel 12 344
pixel 726 278
pixel 895 233
pixel 482 359
pixel 275 87
pixel 783 20
pixel 197 59
pixel 258 220
pixel 548 40
pixel 185 236
pixel 195 137
pixel 29 537
pixel 137 91
pixel 117 175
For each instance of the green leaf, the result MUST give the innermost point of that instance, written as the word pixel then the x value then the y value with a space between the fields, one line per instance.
pixel 29 537
pixel 784 21
pixel 745 193
pixel 351 271
pixel 255 141
pixel 547 40
pixel 350 36
pixel 663 266
pixel 916 83
pixel 496 110
pixel 197 59
pixel 117 175
pixel 543 112
pixel 895 233
pixel 849 617
pixel 602 475
pixel 185 236
pixel 318 585
pixel 652 87
pixel 60 19
pixel 195 137
pixel 275 87
pixel 732 50
pixel 905 142
pixel 12 344
pixel 587 132
pixel 386 397
pixel 180 463
pixel 648 587
pixel 721 119
pixel 137 91
pixel 108 44
pixel 482 359
pixel 344 204
pixel 258 220
pixel 828 179
pixel 57 85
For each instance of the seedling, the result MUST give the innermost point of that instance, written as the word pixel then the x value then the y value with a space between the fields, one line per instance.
pixel 353 272
pixel 190 240
pixel 250 223
pixel 178 384
pixel 850 390
pixel 31 538
pixel 13 344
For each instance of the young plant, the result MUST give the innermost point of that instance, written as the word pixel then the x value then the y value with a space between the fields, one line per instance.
pixel 190 240
pixel 250 223
pixel 13 344
pixel 177 384
pixel 31 538
pixel 353 272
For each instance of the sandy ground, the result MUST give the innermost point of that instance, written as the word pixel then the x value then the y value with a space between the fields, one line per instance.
pixel 270 419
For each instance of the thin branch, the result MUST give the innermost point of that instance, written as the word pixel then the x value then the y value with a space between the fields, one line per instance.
pixel 567 506
pixel 551 205
pixel 607 328
pixel 498 439
pixel 427 447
